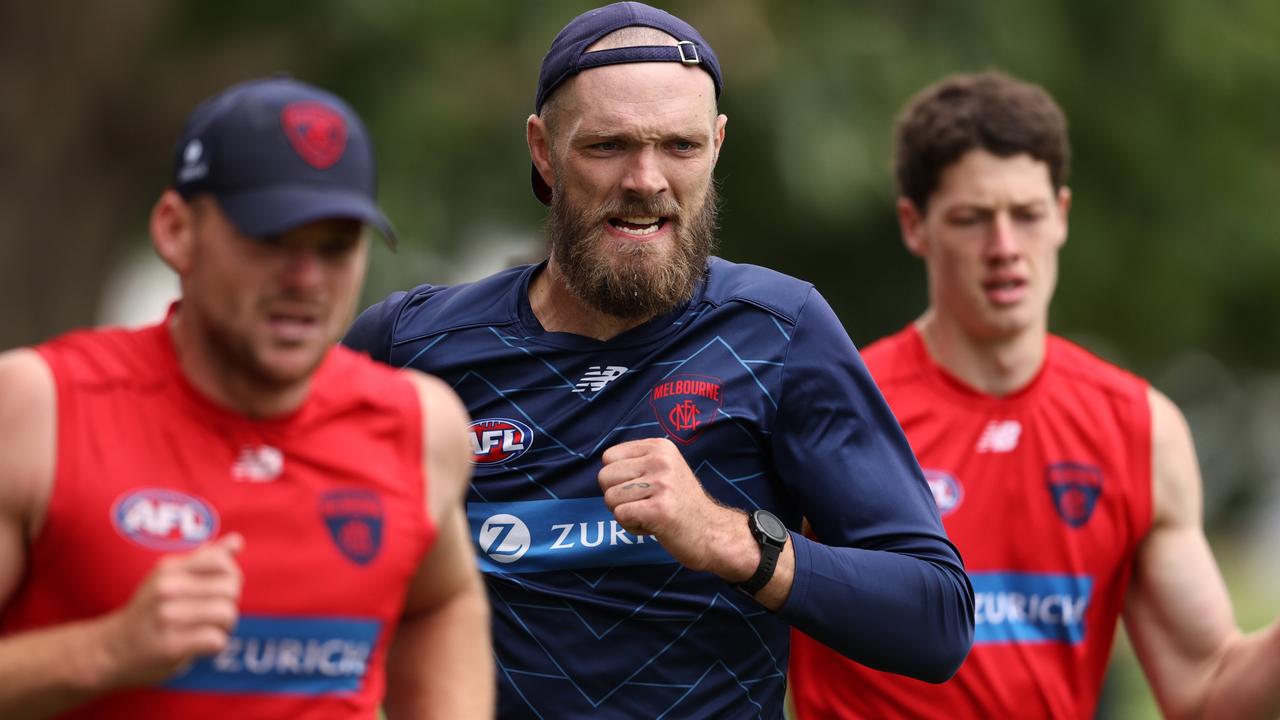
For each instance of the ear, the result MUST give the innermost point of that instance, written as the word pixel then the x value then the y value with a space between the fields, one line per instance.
pixel 1064 207
pixel 911 222
pixel 539 138
pixel 721 121
pixel 173 231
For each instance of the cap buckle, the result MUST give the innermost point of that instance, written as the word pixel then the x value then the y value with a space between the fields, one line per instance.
pixel 690 57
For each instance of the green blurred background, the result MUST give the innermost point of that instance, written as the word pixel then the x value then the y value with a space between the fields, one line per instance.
pixel 1171 269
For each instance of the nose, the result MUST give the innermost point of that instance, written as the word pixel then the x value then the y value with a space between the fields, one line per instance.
pixel 303 267
pixel 644 175
pixel 1003 243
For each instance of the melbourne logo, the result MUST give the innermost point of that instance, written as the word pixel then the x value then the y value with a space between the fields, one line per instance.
pixel 316 131
pixel 498 440
pixel 165 520
pixel 597 377
pixel 354 519
pixel 685 404
pixel 1075 488
pixel 504 538
pixel 946 490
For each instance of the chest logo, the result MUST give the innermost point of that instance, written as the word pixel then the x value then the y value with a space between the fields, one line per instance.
pixel 498 440
pixel 999 436
pixel 686 404
pixel 946 490
pixel 1075 489
pixel 164 520
pixel 354 520
pixel 597 377
pixel 257 463
pixel 504 538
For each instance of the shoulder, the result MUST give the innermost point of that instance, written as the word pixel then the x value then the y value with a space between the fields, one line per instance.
pixel 446 451
pixel 434 309
pixel 1176 483
pixel 893 356
pixel 1076 363
pixel 776 293
pixel 28 430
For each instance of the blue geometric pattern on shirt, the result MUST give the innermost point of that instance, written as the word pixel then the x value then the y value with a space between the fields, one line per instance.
pixel 620 640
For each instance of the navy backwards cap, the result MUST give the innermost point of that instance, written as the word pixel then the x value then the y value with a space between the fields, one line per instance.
pixel 278 153
pixel 568 55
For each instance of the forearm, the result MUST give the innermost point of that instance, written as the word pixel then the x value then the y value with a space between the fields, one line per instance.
pixel 1247 681
pixel 441 663
pixel 890 611
pixel 44 672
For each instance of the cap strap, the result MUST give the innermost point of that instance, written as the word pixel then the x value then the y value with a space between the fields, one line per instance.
pixel 685 52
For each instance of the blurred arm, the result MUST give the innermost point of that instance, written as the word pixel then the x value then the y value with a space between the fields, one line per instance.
pixel 883 586
pixel 1178 612
pixel 441 661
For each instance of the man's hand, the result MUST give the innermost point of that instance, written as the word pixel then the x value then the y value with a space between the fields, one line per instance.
pixel 185 608
pixel 650 490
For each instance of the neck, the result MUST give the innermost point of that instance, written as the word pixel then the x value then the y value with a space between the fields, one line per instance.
pixel 217 378
pixel 998 366
pixel 558 309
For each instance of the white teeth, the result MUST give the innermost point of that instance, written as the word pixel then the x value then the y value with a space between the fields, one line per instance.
pixel 641 220
pixel 643 231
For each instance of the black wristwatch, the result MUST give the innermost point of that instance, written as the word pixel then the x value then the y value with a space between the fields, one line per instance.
pixel 772 536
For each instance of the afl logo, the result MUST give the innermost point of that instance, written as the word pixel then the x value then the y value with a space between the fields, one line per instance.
pixel 504 538
pixel 947 492
pixel 164 520
pixel 498 440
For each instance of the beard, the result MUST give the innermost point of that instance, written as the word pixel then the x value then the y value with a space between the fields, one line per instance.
pixel 637 280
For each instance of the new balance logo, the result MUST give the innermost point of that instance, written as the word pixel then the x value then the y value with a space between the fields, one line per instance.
pixel 597 377
pixel 261 463
pixel 999 436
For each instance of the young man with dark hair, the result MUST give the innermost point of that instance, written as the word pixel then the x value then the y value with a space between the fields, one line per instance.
pixel 224 515
pixel 1070 486
pixel 652 423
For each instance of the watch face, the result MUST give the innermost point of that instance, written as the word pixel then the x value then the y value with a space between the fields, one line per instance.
pixel 771 526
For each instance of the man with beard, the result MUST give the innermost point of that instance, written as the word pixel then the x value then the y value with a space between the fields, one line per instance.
pixel 652 423
pixel 224 515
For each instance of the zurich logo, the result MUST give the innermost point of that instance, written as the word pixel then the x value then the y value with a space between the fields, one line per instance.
pixel 504 538
pixel 498 440
pixel 164 520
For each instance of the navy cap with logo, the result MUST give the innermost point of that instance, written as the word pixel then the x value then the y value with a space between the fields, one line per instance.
pixel 278 153
pixel 568 55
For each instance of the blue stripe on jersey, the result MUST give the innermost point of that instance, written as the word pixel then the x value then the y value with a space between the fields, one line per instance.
pixel 540 535
pixel 287 655
pixel 1030 607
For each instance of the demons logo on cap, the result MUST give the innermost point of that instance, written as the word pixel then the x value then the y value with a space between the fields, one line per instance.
pixel 316 131
pixel 685 404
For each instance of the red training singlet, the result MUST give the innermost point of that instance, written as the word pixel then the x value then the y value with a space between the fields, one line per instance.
pixel 1047 493
pixel 330 500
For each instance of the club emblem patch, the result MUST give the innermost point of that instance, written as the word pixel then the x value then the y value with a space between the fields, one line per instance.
pixel 946 490
pixel 685 404
pixel 354 519
pixel 1075 489
pixel 316 131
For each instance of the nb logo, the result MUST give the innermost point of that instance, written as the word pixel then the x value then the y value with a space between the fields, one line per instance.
pixel 504 538
pixel 999 436
pixel 597 377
